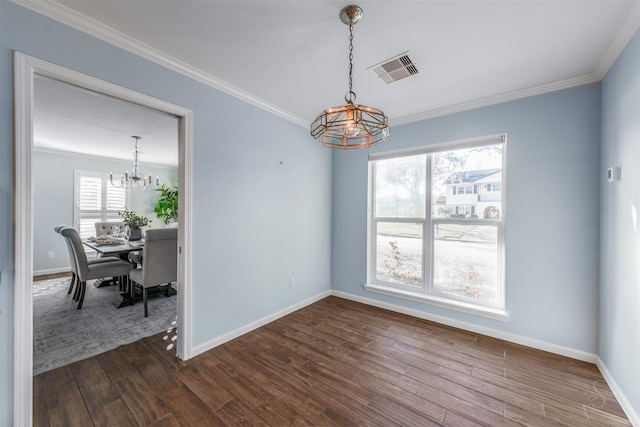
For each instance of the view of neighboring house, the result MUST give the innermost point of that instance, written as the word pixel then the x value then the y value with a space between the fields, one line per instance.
pixel 476 194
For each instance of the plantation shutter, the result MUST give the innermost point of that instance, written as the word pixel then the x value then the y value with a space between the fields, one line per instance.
pixel 96 200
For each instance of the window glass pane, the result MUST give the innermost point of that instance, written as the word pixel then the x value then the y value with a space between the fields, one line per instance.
pixel 401 187
pixel 399 253
pixel 466 183
pixel 465 261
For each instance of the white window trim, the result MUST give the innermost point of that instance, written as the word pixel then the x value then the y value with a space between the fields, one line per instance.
pixel 432 299
pixel 497 311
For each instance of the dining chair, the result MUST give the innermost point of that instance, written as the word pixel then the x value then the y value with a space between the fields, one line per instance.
pixel 72 260
pixel 87 271
pixel 160 263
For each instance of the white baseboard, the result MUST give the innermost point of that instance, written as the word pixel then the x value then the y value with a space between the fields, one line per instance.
pixel 51 271
pixel 201 348
pixel 628 409
pixel 507 336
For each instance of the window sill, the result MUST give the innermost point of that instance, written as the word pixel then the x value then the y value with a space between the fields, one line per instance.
pixel 491 313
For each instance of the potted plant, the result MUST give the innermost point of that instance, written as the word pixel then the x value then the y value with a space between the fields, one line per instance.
pixel 167 207
pixel 133 221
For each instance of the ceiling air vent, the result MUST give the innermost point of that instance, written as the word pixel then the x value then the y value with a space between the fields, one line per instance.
pixel 396 68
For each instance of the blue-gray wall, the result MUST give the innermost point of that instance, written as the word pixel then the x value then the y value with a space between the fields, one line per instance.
pixel 552 213
pixel 619 347
pixel 262 187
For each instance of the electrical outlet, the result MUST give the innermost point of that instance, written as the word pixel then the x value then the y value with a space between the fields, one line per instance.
pixel 49 255
pixel 292 282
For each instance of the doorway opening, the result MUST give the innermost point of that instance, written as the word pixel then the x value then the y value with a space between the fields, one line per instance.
pixel 27 69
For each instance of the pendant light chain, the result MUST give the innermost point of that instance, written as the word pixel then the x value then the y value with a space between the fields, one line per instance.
pixel 351 95
pixel 350 125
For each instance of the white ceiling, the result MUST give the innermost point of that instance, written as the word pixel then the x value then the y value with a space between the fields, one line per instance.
pixel 69 118
pixel 291 56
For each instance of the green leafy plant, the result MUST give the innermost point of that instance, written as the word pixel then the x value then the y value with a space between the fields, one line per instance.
pixel 167 207
pixel 132 219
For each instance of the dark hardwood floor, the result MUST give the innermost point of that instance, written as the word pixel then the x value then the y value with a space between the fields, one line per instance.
pixel 333 363
pixel 52 276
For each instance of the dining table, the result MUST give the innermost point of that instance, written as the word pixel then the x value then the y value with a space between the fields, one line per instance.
pixel 116 247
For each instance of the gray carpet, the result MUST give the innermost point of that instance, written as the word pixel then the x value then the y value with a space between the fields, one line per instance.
pixel 63 334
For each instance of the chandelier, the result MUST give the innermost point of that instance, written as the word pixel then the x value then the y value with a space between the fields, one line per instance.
pixel 134 180
pixel 350 125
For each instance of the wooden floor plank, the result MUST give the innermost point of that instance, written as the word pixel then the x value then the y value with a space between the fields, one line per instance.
pixel 295 377
pixel 399 413
pixel 295 399
pixel 113 414
pixel 157 375
pixel 115 364
pixel 59 386
pixel 40 413
pixel 204 385
pixel 168 420
pixel 235 413
pixel 94 384
pixel 528 404
pixel 416 403
pixel 334 362
pixel 188 409
pixel 72 413
pixel 459 391
pixel 143 403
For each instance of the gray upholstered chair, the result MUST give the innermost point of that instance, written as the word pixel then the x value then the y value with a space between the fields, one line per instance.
pixel 106 228
pixel 86 271
pixel 103 228
pixel 160 265
pixel 72 260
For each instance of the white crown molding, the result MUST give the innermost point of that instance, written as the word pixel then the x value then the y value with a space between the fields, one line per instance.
pixel 96 29
pixel 498 99
pixel 58 152
pixel 626 32
pixel 105 33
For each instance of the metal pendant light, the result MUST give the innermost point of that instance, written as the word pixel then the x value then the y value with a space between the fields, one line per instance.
pixel 350 125
pixel 134 180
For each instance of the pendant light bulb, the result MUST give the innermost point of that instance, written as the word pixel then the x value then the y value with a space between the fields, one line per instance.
pixel 350 128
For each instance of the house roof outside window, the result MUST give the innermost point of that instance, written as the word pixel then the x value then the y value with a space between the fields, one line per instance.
pixel 469 176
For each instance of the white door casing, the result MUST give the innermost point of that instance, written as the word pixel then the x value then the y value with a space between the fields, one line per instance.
pixel 25 69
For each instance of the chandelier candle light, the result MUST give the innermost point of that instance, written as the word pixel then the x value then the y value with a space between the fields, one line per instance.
pixel 350 125
pixel 134 180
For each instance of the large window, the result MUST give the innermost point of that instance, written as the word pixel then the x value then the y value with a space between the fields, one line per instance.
pixel 96 200
pixel 436 225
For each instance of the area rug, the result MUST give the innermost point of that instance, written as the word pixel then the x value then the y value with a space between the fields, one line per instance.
pixel 62 334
